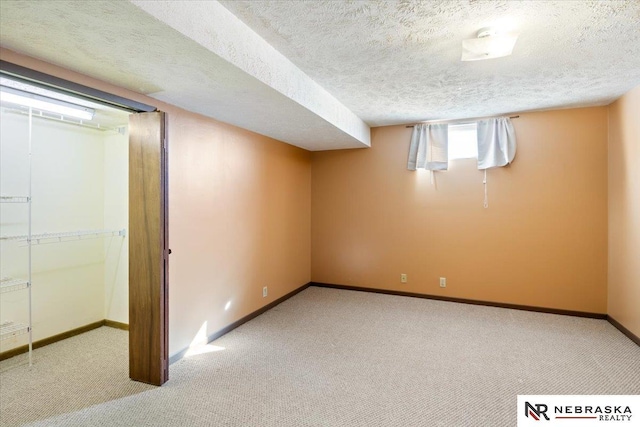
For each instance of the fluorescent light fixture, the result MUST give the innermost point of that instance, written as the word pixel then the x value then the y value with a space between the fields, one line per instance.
pixel 488 45
pixel 43 103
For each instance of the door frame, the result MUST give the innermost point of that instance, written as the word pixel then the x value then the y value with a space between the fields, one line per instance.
pixel 158 312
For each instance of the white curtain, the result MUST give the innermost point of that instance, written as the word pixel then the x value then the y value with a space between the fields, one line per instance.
pixel 496 146
pixel 496 143
pixel 429 147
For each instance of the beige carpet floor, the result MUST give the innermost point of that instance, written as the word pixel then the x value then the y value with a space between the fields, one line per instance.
pixel 334 358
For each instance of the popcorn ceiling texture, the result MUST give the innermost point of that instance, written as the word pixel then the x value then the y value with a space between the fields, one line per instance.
pixel 395 62
pixel 311 73
pixel 243 82
pixel 218 30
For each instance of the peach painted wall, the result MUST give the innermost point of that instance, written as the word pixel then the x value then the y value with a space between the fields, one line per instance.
pixel 542 241
pixel 624 210
pixel 239 216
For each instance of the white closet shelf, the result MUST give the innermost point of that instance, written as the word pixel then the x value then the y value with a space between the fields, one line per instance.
pixel 41 114
pixel 9 285
pixel 14 199
pixel 67 236
pixel 11 329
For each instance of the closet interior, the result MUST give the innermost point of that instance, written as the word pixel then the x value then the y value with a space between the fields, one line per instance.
pixel 63 216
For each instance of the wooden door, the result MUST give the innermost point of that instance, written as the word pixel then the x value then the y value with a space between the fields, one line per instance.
pixel 148 249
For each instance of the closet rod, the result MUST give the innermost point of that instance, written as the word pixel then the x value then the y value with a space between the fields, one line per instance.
pixel 10 329
pixel 7 284
pixel 67 236
pixel 14 199
pixel 458 121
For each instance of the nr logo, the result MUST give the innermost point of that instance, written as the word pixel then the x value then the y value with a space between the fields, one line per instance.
pixel 536 411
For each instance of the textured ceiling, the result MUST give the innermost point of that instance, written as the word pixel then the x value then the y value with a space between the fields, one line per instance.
pixel 311 73
pixel 395 62
pixel 202 59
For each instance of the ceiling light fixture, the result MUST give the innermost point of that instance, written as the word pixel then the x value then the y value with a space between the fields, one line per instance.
pixel 489 44
pixel 43 103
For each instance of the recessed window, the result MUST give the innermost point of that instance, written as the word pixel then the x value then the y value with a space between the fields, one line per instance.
pixel 463 141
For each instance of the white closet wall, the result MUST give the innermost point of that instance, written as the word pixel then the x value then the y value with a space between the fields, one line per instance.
pixel 78 179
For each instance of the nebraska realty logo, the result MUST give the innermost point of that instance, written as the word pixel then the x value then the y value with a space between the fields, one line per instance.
pixel 576 410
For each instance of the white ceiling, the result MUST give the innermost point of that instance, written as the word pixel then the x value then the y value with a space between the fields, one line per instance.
pixel 316 73
pixel 394 62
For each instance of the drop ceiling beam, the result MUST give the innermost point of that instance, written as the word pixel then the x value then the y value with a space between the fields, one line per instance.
pixel 213 27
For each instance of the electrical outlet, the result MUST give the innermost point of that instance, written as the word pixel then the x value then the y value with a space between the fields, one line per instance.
pixel 443 282
pixel 403 278
pixel 264 292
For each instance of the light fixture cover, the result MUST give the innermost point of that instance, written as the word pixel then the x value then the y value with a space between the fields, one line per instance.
pixel 488 47
pixel 43 103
